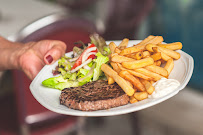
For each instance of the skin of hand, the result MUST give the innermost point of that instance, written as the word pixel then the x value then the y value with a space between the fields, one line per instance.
pixel 34 55
pixel 30 57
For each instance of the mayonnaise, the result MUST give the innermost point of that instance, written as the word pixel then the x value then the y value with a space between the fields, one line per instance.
pixel 163 87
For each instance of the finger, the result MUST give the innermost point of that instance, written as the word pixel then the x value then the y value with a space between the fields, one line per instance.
pixel 56 50
pixel 33 70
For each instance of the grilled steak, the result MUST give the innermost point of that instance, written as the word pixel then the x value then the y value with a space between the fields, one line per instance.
pixel 94 96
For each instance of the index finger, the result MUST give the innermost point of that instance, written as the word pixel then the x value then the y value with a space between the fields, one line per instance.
pixel 55 49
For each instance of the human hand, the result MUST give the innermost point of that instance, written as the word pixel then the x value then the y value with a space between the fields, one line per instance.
pixel 34 55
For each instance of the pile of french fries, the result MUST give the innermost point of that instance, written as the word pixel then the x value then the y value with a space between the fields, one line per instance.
pixel 136 68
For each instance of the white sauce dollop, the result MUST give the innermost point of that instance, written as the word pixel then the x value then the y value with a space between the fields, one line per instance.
pixel 163 87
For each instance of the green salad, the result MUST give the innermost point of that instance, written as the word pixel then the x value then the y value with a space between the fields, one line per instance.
pixel 84 67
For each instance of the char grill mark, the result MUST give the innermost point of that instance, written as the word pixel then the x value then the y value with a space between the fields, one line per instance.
pixel 93 96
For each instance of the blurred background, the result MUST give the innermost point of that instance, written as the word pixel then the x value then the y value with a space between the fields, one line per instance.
pixel 73 20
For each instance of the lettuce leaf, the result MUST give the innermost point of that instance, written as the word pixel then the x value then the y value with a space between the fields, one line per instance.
pixel 82 73
pixel 72 77
pixel 68 84
pixel 107 49
pixel 99 61
pixel 59 83
pixel 87 78
pixel 63 62
pixel 99 42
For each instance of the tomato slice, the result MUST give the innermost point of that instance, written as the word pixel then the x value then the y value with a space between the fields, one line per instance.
pixel 79 60
pixel 77 63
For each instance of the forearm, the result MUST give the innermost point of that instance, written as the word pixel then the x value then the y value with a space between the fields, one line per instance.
pixel 9 54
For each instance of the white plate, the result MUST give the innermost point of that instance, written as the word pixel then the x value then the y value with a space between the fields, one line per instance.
pixel 49 97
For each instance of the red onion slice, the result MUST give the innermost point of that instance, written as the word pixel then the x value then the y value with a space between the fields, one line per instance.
pixel 87 52
pixel 87 67
pixel 74 59
pixel 86 57
pixel 83 64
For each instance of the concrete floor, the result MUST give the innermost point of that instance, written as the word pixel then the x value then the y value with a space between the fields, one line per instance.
pixel 114 125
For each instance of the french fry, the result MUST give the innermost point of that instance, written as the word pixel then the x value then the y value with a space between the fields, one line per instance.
pixel 120 58
pixel 146 72
pixel 149 47
pixel 136 55
pixel 123 44
pixel 173 54
pixel 149 40
pixel 172 46
pixel 137 68
pixel 109 79
pixel 121 67
pixel 129 83
pixel 148 86
pixel 119 80
pixel 134 80
pixel 152 82
pixel 158 70
pixel 115 67
pixel 133 99
pixel 156 56
pixel 157 63
pixel 112 47
pixel 111 55
pixel 129 50
pixel 117 50
pixel 137 74
pixel 146 40
pixel 156 40
pixel 140 95
pixel 146 54
pixel 140 75
pixel 164 56
pixel 141 47
pixel 169 65
pixel 138 63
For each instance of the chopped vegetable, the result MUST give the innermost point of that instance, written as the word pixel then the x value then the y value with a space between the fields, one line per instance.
pixel 107 49
pixel 72 77
pixel 79 60
pixel 80 66
pixel 86 78
pixel 59 83
pixel 63 71
pixel 99 42
pixel 83 68
pixel 77 51
pixel 82 73
pixel 63 62
pixel 99 61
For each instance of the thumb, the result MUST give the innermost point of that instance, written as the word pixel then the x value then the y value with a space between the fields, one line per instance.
pixel 56 51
